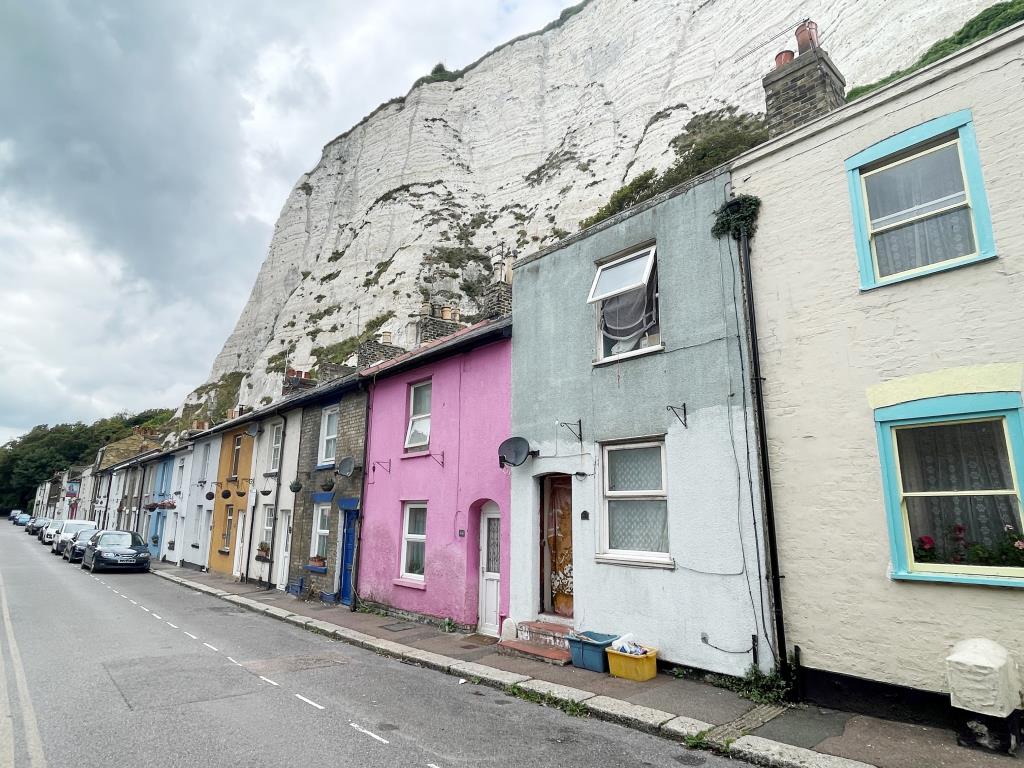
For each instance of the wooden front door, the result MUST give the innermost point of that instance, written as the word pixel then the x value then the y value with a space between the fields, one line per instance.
pixel 556 560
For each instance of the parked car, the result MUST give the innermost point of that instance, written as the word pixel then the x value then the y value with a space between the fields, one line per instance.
pixel 14 514
pixel 33 525
pixel 22 519
pixel 45 534
pixel 75 547
pixel 116 550
pixel 65 530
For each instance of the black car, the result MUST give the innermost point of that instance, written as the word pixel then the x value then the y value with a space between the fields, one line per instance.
pixel 34 525
pixel 116 550
pixel 75 548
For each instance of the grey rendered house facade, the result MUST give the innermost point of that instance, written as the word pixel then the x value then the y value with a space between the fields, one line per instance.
pixel 889 267
pixel 639 509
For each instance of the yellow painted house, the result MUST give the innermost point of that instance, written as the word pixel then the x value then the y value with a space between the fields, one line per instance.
pixel 230 502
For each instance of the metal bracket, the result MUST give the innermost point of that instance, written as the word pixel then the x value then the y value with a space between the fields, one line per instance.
pixel 434 456
pixel 676 410
pixel 381 464
pixel 576 427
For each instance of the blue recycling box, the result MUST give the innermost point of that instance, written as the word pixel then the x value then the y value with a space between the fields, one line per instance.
pixel 587 649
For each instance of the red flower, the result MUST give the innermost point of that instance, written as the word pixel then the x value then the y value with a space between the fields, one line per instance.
pixel 927 542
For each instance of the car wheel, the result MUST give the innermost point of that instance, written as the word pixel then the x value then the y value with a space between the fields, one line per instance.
pixel 92 566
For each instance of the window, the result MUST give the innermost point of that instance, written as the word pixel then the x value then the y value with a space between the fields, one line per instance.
pixel 236 455
pixel 197 524
pixel 205 462
pixel 328 436
pixel 626 293
pixel 276 433
pixel 321 531
pixel 268 523
pixel 418 433
pixel 951 469
pixel 230 511
pixel 414 541
pixel 635 525
pixel 181 474
pixel 919 203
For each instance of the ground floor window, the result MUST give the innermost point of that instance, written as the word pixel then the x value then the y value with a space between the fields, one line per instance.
pixel 951 469
pixel 414 541
pixel 635 505
pixel 197 524
pixel 230 512
pixel 321 531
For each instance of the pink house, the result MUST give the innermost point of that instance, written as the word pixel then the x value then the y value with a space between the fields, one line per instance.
pixel 434 535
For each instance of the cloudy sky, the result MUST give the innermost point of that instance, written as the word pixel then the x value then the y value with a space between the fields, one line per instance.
pixel 145 151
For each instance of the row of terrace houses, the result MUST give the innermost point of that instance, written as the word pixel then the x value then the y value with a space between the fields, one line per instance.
pixel 802 437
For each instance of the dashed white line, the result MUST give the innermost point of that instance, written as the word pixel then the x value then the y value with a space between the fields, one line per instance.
pixel 267 680
pixel 360 728
pixel 310 702
pixel 172 626
pixel 190 635
pixel 144 608
pixel 208 646
pixel 124 597
pixel 116 592
pixel 133 602
pixel 235 662
pixel 431 765
pixel 155 616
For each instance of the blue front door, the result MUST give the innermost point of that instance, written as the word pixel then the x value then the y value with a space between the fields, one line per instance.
pixel 156 528
pixel 348 551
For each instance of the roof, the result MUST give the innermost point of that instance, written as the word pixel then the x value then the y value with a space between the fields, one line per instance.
pixel 464 339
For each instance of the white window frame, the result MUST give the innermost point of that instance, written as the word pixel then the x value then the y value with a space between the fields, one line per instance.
pixel 632 556
pixel 407 537
pixel 417 417
pixel 322 457
pixel 649 252
pixel 206 462
pixel 236 457
pixel 275 448
pixel 180 473
pixel 229 517
pixel 197 525
pixel 319 532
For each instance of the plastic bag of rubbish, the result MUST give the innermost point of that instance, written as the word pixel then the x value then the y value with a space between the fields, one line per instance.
pixel 626 644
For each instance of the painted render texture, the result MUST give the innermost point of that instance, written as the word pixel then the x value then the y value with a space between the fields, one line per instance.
pixel 193 548
pixel 469 419
pixel 825 344
pixel 714 512
pixel 224 546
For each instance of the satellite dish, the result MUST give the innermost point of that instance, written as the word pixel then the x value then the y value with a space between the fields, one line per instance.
pixel 346 466
pixel 252 430
pixel 514 452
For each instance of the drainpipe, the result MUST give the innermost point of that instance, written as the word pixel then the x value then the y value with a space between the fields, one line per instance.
pixel 762 452
pixel 362 501
pixel 142 487
pixel 277 494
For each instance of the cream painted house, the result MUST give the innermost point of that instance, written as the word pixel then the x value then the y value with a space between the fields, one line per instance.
pixel 888 281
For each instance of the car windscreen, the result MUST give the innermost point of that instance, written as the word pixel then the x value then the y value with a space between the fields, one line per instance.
pixel 84 534
pixel 120 540
pixel 74 527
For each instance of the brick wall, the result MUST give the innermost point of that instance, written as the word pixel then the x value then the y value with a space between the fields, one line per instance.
pixel 806 88
pixel 431 328
pixel 497 300
pixel 351 438
pixel 373 351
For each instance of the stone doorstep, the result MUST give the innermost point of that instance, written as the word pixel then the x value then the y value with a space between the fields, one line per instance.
pixel 754 749
pixel 535 651
pixel 545 632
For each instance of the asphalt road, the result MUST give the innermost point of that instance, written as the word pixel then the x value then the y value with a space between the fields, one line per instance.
pixel 125 669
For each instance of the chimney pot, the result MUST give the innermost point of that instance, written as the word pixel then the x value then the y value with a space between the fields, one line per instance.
pixel 456 314
pixel 782 58
pixel 446 313
pixel 385 337
pixel 806 36
pixel 425 309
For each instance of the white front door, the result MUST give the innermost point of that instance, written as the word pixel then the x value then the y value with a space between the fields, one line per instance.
pixel 284 535
pixel 490 570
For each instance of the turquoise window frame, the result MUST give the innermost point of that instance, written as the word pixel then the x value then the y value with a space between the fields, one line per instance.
pixel 942 410
pixel 962 124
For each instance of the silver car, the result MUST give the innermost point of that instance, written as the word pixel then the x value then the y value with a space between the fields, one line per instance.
pixel 66 529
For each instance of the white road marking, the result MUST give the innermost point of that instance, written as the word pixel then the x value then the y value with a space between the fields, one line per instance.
pixel 190 635
pixel 308 701
pixel 210 647
pixel 266 679
pixel 144 608
pixel 133 602
pixel 33 741
pixel 360 728
pixel 172 626
pixel 124 597
pixel 116 592
pixel 235 662
pixel 431 765
pixel 155 616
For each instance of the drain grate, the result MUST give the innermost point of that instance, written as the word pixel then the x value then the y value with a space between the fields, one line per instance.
pixel 399 626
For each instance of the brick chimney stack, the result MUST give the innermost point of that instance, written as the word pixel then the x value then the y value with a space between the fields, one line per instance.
pixel 803 87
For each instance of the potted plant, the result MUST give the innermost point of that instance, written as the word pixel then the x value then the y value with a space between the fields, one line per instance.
pixel 295 486
pixel 263 551
pixel 155 539
pixel 327 485
pixel 170 545
pixel 317 560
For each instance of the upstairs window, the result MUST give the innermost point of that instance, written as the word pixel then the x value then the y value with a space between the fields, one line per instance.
pixel 328 436
pixel 236 455
pixel 919 202
pixel 417 435
pixel 205 462
pixel 276 432
pixel 626 293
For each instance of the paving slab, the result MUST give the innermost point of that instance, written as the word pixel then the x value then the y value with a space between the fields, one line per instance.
pixel 556 691
pixel 775 754
pixel 804 726
pixel 430 660
pixel 682 727
pixel 633 715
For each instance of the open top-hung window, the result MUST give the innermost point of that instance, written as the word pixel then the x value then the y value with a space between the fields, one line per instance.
pixel 417 434
pixel 626 293
pixel 919 202
pixel 954 494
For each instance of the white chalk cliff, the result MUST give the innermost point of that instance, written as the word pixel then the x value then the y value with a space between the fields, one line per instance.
pixel 529 141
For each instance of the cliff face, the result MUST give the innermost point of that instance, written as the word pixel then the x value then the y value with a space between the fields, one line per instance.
pixel 518 150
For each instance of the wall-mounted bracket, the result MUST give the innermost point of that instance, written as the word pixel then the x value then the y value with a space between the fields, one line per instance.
pixel 438 457
pixel 385 465
pixel 679 411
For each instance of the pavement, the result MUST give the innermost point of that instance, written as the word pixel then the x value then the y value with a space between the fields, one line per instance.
pixel 128 669
pixel 800 736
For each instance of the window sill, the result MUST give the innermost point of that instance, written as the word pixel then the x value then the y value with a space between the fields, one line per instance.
pixel 315 568
pixel 635 562
pixel 958 578
pixel 270 474
pixel 628 355
pixel 410 583
pixel 416 453
pixel 325 465
pixel 924 272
